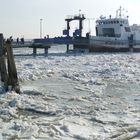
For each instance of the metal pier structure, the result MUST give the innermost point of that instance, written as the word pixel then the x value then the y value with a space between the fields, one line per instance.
pixel 78 32
pixel 77 40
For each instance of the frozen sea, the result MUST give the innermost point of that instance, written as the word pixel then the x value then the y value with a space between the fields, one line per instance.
pixel 76 96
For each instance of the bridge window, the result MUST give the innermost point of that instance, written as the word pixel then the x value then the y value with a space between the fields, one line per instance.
pixel 127 29
pixel 122 22
pixel 108 32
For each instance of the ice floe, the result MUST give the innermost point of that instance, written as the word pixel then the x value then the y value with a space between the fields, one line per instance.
pixel 74 97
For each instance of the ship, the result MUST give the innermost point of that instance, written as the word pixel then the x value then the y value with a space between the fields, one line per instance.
pixel 115 35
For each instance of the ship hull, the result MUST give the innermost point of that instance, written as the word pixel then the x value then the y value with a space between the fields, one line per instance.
pixel 110 44
pixel 97 48
pixel 105 48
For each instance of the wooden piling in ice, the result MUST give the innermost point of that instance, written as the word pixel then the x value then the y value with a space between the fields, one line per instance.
pixel 8 71
pixel 3 72
pixel 12 72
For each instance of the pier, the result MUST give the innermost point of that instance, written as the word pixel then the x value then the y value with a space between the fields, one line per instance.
pixel 79 42
pixel 34 47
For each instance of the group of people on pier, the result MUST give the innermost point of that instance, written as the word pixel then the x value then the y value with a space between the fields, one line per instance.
pixel 20 41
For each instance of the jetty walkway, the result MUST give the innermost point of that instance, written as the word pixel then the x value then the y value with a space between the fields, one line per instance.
pixel 79 43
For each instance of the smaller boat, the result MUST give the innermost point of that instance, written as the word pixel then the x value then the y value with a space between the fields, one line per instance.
pixel 115 35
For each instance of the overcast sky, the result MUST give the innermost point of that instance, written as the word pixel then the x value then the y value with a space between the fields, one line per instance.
pixel 22 17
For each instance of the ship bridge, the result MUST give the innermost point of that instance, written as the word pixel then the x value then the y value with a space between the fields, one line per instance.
pixel 112 21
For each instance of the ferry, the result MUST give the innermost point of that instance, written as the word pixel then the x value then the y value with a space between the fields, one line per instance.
pixel 115 34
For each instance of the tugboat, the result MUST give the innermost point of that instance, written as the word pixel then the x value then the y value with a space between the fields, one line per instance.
pixel 115 35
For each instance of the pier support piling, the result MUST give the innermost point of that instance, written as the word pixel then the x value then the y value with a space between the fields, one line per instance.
pixel 67 48
pixel 46 51
pixel 34 51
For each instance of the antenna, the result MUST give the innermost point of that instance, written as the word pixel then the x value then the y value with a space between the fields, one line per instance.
pixel 120 14
pixel 79 12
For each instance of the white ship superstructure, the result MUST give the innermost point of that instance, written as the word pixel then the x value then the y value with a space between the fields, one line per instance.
pixel 115 34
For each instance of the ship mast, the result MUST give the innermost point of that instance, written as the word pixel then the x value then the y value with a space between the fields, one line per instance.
pixel 120 12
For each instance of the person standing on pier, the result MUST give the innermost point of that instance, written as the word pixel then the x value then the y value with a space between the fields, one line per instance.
pixel 22 40
pixel 17 40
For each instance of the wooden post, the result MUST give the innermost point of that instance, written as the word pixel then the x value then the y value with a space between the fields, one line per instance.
pixel 4 76
pixel 1 45
pixel 12 72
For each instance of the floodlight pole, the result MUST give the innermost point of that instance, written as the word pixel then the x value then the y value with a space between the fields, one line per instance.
pixel 41 28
